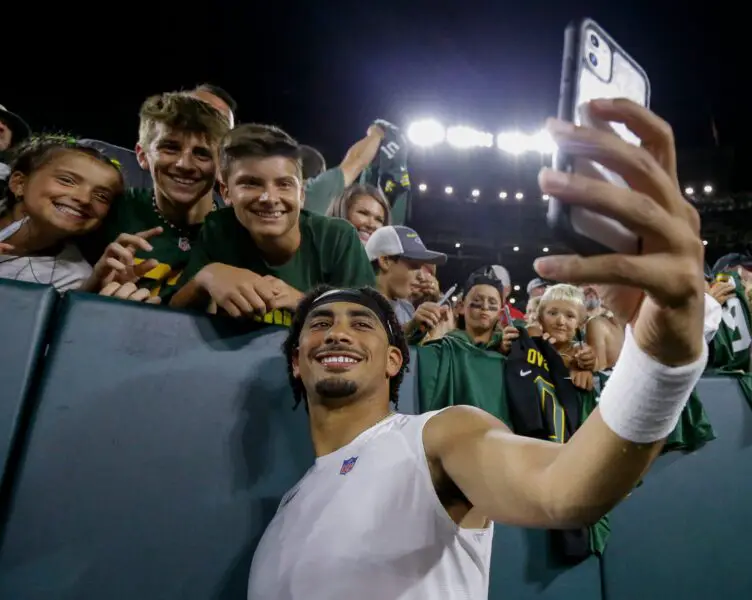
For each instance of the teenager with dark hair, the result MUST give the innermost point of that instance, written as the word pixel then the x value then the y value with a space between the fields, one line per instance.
pixel 263 255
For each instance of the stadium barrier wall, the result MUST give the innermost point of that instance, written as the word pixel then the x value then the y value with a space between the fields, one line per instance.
pixel 149 449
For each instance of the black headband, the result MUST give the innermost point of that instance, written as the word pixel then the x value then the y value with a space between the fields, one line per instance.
pixel 356 297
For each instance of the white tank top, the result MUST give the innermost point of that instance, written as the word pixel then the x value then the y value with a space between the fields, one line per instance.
pixel 365 523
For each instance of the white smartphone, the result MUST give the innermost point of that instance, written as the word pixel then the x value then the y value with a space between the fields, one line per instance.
pixel 594 66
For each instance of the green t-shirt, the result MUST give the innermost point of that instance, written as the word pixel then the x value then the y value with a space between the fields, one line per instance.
pixel 321 191
pixel 730 349
pixel 330 252
pixel 136 212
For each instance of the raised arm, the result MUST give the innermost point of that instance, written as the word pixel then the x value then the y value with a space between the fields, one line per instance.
pixel 535 483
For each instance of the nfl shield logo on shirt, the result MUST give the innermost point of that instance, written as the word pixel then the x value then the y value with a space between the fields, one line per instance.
pixel 184 244
pixel 347 465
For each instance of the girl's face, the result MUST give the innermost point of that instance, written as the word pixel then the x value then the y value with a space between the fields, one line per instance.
pixel 70 194
pixel 367 215
pixel 482 307
pixel 560 319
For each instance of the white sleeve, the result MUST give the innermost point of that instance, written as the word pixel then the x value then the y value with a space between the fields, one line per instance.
pixel 713 316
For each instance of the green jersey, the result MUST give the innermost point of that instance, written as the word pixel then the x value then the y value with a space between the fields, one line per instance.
pixel 730 350
pixel 330 252
pixel 493 344
pixel 321 191
pixel 137 211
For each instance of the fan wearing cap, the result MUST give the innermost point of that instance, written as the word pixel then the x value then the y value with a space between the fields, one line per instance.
pixel 396 252
pixel 536 287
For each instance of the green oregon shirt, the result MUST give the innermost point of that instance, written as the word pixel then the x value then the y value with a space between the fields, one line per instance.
pixel 133 213
pixel 330 252
pixel 321 191
pixel 731 344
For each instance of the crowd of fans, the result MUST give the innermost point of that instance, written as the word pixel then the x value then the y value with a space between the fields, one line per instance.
pixel 242 220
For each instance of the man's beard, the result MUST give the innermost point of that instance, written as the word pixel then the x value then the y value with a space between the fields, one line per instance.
pixel 335 388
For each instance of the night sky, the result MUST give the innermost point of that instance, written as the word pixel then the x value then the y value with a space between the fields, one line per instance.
pixel 324 73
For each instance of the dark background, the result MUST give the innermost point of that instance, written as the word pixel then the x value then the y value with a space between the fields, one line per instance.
pixel 324 70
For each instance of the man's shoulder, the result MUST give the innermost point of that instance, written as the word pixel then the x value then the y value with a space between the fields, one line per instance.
pixel 320 225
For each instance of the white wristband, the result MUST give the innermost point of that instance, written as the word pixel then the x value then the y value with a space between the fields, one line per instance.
pixel 643 400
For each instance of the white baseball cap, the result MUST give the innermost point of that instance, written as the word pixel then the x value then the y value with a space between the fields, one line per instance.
pixel 398 240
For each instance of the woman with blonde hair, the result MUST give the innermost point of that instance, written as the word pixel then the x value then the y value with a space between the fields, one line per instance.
pixel 365 206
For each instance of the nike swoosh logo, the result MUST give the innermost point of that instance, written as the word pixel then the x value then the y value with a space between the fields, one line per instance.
pixel 525 373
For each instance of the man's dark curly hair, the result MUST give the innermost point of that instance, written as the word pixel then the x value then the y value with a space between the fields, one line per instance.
pixel 293 339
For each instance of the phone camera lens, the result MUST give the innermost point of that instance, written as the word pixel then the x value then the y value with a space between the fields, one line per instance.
pixel 594 40
pixel 593 59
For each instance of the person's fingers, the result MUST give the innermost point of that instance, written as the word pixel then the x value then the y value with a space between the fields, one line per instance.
pixel 647 272
pixel 109 289
pixel 257 303
pixel 139 295
pixel 229 307
pixel 115 265
pixel 120 252
pixel 133 242
pixel 154 300
pixel 265 291
pixel 143 268
pixel 636 165
pixel 655 134
pixel 125 291
pixel 5 248
pixel 634 210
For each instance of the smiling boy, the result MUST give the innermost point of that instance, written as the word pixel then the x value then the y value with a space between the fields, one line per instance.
pixel 261 256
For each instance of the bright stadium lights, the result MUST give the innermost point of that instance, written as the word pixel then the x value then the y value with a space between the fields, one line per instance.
pixel 475 193
pixel 704 242
pixel 689 190
pixel 454 299
pixel 462 137
pixel 707 188
pixel 545 197
pixel 519 196
pixel 517 143
pixel 513 301
pixel 448 189
pixel 512 142
pixel 457 245
pixel 426 133
pixel 545 249
pixel 422 187
pixel 503 195
pixel 516 249
pixel 516 288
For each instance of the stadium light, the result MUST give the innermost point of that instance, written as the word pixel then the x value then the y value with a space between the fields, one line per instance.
pixel 545 197
pixel 454 299
pixel 426 133
pixel 422 187
pixel 519 196
pixel 503 195
pixel 516 288
pixel 516 249
pixel 513 301
pixel 689 190
pixel 545 249
pixel 457 245
pixel 704 242
pixel 707 188
pixel 517 143
pixel 448 189
pixel 463 137
pixel 475 193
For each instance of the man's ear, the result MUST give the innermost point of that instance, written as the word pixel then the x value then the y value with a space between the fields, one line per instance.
pixel 394 361
pixel 224 192
pixel 384 263
pixel 141 157
pixel 295 363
